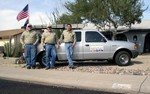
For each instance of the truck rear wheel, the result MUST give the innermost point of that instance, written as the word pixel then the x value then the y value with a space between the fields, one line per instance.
pixel 122 58
pixel 42 59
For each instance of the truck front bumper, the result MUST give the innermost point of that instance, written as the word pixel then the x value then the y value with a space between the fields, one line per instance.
pixel 135 53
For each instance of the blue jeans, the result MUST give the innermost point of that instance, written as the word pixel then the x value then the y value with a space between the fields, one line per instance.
pixel 50 52
pixel 69 53
pixel 30 54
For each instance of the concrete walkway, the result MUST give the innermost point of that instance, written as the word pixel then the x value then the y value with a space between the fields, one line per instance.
pixel 105 82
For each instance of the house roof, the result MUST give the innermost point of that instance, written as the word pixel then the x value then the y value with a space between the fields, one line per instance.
pixel 145 24
pixel 9 33
pixel 58 26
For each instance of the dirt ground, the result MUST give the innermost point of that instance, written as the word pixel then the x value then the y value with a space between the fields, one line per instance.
pixel 141 62
pixel 138 66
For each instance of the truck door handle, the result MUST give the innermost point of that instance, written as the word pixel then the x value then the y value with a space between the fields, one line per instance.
pixel 87 45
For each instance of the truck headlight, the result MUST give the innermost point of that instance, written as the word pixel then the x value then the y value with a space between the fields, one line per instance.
pixel 135 46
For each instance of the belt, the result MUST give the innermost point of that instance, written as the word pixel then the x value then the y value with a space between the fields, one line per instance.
pixel 50 43
pixel 68 42
pixel 29 44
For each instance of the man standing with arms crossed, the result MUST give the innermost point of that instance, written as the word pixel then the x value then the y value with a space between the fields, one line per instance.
pixel 29 39
pixel 49 39
pixel 69 38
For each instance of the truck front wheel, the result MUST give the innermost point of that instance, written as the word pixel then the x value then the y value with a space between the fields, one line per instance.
pixel 122 58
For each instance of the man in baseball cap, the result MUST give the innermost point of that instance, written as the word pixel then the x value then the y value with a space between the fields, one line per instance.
pixel 29 39
pixel 48 40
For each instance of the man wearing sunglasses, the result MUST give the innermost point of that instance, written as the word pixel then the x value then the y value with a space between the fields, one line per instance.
pixel 69 37
pixel 48 40
pixel 29 39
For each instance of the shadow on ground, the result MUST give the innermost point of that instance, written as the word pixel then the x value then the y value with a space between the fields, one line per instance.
pixel 95 63
pixel 135 63
pixel 90 63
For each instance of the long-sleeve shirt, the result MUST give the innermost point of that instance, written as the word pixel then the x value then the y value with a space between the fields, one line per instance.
pixel 29 37
pixel 68 36
pixel 49 38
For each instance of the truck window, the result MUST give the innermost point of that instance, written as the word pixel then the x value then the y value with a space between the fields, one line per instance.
pixel 92 36
pixel 78 36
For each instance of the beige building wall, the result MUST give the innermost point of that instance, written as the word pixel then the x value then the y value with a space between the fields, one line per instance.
pixel 3 41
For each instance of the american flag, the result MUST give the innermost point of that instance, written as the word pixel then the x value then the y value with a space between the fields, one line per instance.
pixel 23 14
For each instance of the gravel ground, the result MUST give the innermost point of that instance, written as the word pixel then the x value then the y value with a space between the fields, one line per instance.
pixel 138 66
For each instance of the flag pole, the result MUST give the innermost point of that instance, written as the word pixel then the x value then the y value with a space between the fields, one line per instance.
pixel 28 17
pixel 28 11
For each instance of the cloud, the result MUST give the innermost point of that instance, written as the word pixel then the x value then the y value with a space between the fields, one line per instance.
pixel 146 14
pixel 8 19
pixel 39 18
pixel 9 11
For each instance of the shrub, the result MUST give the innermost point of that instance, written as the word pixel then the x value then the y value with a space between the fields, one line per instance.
pixel 12 50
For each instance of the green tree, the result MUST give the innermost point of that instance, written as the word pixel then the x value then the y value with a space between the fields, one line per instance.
pixel 108 13
pixel 67 18
pixel 56 18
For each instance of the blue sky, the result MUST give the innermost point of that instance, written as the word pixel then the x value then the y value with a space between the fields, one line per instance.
pixel 39 9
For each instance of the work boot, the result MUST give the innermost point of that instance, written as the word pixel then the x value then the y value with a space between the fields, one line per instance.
pixel 53 67
pixel 47 68
pixel 33 67
pixel 72 66
pixel 28 67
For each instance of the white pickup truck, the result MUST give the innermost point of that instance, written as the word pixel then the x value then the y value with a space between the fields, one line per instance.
pixel 93 45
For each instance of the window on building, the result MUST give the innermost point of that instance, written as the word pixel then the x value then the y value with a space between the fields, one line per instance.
pixel 135 38
pixel 121 37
